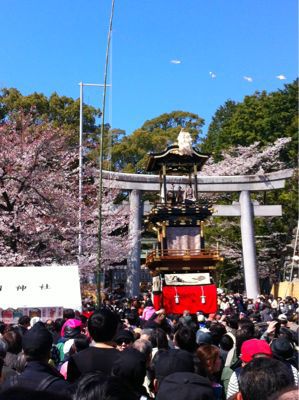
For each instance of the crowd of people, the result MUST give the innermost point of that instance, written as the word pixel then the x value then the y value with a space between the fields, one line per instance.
pixel 128 350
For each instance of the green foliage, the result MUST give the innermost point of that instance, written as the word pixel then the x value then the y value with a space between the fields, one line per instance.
pixel 260 117
pixel 131 153
pixel 61 111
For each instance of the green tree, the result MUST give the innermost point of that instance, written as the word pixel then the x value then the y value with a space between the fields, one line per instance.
pixel 131 153
pixel 61 111
pixel 260 117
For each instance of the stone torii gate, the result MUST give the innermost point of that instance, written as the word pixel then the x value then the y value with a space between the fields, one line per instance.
pixel 244 184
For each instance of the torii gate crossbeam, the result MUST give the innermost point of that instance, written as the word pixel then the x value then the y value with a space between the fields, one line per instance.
pixel 244 184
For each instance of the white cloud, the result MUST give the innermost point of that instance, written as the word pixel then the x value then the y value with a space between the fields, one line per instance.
pixel 212 75
pixel 248 78
pixel 281 77
pixel 175 61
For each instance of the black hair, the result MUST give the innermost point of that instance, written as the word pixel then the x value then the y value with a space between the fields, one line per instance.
pixel 83 319
pixel 58 324
pixel 102 325
pixel 24 320
pixel 81 342
pixel 226 343
pixel 158 338
pixel 262 377
pixel 68 313
pixel 232 321
pixel 149 303
pixel 89 386
pixel 185 338
pixel 217 330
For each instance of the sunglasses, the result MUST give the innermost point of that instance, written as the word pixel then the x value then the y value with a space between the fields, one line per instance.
pixel 121 341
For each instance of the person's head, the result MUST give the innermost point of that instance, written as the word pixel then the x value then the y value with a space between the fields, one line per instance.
pixel 226 342
pixel 71 328
pixel 245 332
pixel 185 339
pixel 283 319
pixel 81 342
pixel 282 348
pixel 161 315
pixel 24 321
pixel 124 339
pixel 90 386
pixel 37 343
pixel 158 339
pixel 262 377
pixel 68 313
pixel 13 340
pixel 203 338
pixel 185 385
pixel 102 325
pixel 254 348
pixel 58 324
pixel 209 357
pixel 145 347
pixel 217 330
pixel 232 322
pixel 170 361
pixel 149 303
pixel 146 333
pixel 130 367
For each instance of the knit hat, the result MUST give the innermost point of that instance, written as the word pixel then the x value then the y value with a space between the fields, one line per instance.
pixel 173 360
pixel 185 385
pixel 252 347
pixel 37 341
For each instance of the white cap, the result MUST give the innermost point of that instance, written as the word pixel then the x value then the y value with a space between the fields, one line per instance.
pixel 282 317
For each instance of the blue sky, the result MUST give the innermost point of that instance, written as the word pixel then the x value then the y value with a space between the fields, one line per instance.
pixel 52 45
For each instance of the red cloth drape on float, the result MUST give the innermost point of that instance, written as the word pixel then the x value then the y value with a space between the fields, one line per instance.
pixel 190 298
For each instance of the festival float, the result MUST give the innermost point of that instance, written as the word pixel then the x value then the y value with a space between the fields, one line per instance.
pixel 183 270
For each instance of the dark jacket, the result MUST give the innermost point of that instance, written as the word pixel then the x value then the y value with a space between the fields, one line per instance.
pixel 90 360
pixel 38 376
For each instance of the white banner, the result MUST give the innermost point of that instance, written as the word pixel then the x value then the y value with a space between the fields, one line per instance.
pixel 187 279
pixel 36 287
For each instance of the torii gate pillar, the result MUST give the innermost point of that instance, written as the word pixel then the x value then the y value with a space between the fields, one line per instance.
pixel 133 262
pixel 248 246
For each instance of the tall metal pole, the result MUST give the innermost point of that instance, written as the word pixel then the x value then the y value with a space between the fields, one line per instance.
pixel 81 84
pixel 80 172
pixel 99 258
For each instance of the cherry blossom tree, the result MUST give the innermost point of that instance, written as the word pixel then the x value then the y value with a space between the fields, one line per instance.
pixel 241 160
pixel 115 219
pixel 39 200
